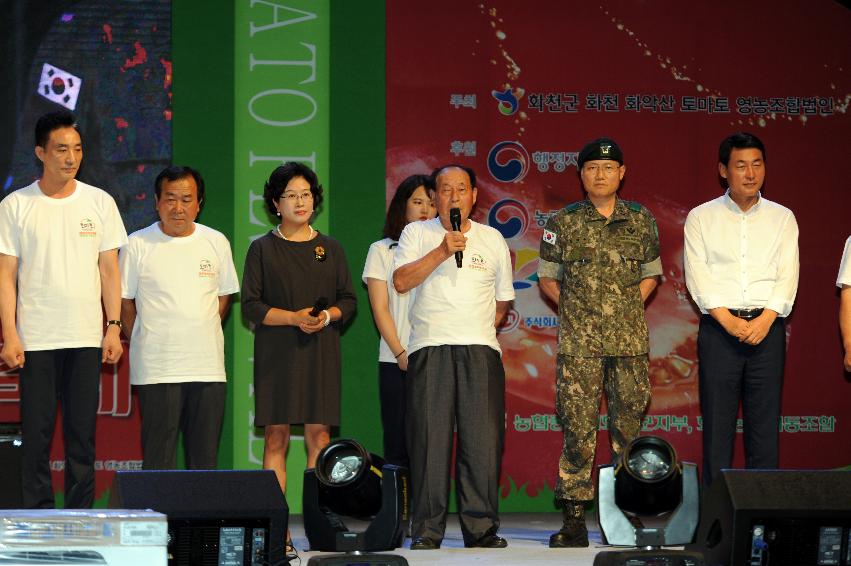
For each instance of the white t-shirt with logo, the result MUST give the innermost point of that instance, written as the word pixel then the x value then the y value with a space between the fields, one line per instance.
pixel 57 242
pixel 844 278
pixel 379 265
pixel 176 283
pixel 457 306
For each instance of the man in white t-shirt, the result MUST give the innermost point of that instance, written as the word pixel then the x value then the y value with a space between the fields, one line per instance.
pixel 455 372
pixel 177 281
pixel 844 283
pixel 59 241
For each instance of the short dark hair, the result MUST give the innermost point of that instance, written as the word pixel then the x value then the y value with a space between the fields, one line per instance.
pixel 176 173
pixel 470 173
pixel 53 121
pixel 396 219
pixel 280 178
pixel 738 140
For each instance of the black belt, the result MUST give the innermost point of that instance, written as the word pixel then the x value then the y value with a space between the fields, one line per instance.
pixel 746 314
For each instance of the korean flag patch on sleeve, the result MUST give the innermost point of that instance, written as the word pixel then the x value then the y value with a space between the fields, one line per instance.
pixel 549 237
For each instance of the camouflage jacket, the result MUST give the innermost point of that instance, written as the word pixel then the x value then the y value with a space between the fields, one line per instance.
pixel 600 263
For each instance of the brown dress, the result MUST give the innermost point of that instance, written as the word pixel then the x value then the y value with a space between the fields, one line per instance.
pixel 296 375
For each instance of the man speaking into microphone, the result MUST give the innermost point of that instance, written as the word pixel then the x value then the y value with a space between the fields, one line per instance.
pixel 461 273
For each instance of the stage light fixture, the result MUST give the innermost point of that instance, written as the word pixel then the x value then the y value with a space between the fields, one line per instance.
pixel 349 481
pixel 648 482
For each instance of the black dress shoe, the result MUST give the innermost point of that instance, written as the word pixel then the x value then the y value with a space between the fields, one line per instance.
pixel 489 541
pixel 424 543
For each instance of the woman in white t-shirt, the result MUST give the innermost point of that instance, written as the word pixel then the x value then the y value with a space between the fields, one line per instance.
pixel 411 203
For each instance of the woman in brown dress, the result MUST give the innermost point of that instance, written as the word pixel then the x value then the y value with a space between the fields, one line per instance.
pixel 288 272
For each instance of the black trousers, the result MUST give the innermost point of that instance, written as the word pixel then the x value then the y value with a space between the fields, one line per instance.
pixel 70 376
pixel 731 371
pixel 391 393
pixel 194 408
pixel 449 387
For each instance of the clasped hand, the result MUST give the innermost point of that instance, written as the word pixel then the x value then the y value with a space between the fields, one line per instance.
pixel 307 323
pixel 753 331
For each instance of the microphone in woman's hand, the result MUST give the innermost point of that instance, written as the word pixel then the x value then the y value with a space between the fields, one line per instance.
pixel 320 305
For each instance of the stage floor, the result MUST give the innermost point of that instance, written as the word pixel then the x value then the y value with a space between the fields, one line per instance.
pixel 527 534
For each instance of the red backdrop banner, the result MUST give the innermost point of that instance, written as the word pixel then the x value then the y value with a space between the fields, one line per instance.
pixel 514 90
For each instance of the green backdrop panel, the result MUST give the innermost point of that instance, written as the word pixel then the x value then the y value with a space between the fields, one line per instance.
pixel 281 113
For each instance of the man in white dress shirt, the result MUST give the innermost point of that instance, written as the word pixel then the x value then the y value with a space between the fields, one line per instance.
pixel 844 283
pixel 741 267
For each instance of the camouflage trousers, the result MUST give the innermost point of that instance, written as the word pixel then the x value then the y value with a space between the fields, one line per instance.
pixel 579 387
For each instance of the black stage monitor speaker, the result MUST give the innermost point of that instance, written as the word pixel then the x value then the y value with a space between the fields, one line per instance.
pixel 214 517
pixel 776 518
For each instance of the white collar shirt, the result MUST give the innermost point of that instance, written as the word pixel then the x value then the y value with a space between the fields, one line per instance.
pixel 741 259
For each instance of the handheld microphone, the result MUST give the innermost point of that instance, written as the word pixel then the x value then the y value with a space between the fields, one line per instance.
pixel 455 221
pixel 320 305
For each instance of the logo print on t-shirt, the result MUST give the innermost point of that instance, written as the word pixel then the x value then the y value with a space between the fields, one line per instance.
pixel 478 262
pixel 87 228
pixel 206 269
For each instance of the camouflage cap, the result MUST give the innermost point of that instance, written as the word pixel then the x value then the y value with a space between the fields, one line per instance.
pixel 601 148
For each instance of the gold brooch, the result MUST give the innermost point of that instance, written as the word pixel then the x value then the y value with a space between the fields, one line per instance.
pixel 319 253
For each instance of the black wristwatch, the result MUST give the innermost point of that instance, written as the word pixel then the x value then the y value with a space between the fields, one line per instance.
pixel 116 323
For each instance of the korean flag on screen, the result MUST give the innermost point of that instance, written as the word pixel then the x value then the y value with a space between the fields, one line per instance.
pixel 59 86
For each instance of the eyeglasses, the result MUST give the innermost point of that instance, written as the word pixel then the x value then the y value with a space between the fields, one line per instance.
pixel 293 197
pixel 608 169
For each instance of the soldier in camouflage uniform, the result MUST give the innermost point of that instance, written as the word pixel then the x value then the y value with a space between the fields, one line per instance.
pixel 599 263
